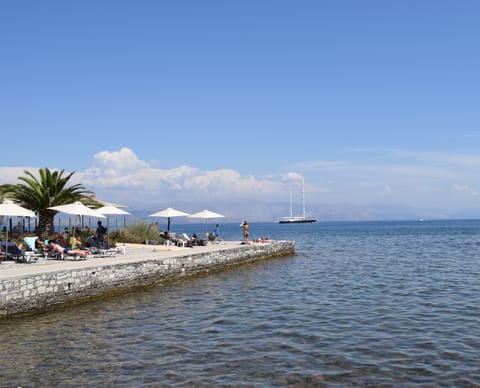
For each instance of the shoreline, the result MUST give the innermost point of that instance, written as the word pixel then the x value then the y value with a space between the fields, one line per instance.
pixel 27 288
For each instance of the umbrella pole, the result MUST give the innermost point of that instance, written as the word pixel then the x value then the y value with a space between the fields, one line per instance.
pixel 6 237
pixel 168 225
pixel 73 231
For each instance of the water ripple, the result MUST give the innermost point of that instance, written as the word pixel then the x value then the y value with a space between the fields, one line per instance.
pixel 358 305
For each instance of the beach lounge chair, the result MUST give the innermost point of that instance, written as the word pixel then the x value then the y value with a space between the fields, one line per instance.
pixel 178 239
pixel 121 249
pixel 113 251
pixel 183 240
pixel 30 242
pixel 12 251
pixel 190 241
pixel 32 252
pixel 71 255
pixel 172 239
pixel 97 251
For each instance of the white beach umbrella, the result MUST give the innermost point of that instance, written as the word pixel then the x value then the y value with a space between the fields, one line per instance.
pixel 79 209
pixel 108 207
pixel 105 203
pixel 169 213
pixel 206 214
pixel 111 210
pixel 9 209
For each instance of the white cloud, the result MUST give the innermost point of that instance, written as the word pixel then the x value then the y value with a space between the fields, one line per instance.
pixel 11 174
pixel 122 161
pixel 465 189
pixel 419 179
pixel 387 189
pixel 292 176
pixel 124 170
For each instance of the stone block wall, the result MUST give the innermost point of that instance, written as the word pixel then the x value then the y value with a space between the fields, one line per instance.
pixel 46 290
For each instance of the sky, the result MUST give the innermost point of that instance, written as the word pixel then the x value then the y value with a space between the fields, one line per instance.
pixel 156 103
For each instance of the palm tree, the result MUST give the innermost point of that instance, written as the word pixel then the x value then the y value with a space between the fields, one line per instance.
pixel 49 189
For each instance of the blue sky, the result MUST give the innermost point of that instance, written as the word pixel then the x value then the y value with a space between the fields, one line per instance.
pixel 374 102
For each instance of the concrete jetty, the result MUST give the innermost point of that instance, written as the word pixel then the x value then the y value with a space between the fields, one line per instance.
pixel 46 283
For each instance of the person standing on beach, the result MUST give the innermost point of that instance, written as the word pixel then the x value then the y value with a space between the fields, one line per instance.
pixel 101 230
pixel 245 227
pixel 217 232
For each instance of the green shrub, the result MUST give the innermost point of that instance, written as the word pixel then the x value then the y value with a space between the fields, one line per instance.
pixel 140 232
pixel 116 236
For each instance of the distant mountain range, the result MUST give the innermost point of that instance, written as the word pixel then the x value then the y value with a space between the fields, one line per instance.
pixel 257 211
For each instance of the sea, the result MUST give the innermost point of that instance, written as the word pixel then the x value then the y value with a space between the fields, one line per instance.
pixel 359 304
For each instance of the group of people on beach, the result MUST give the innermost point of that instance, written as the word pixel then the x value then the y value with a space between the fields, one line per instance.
pixel 62 243
pixel 215 235
pixel 73 245
pixel 211 236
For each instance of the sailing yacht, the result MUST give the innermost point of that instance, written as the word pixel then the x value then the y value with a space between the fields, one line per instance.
pixel 298 219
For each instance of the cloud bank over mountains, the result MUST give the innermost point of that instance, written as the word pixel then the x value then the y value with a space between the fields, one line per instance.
pixel 410 185
pixel 122 171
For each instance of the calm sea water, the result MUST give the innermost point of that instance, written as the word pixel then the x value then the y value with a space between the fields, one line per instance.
pixel 359 304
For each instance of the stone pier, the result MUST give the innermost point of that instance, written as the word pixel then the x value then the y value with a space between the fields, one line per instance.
pixel 28 288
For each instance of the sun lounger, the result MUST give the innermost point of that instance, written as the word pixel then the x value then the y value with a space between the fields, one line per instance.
pixel 121 249
pixel 12 251
pixel 111 252
pixel 64 256
pixel 98 252
pixel 182 240
pixel 30 241
pixel 32 253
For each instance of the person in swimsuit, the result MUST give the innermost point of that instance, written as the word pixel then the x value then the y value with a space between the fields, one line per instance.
pixel 245 227
pixel 57 248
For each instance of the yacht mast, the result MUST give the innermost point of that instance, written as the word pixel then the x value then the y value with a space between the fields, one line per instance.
pixel 299 219
pixel 291 208
pixel 303 196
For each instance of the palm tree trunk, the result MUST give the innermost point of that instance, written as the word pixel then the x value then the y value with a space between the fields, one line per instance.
pixel 46 222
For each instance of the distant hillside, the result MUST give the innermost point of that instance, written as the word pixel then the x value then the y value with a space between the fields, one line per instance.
pixel 272 211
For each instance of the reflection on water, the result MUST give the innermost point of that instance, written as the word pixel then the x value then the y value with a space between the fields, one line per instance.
pixel 359 304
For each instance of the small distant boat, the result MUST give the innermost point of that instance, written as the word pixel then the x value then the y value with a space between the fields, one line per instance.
pixel 298 219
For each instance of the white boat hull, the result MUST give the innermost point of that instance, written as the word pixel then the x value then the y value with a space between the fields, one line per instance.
pixel 297 220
